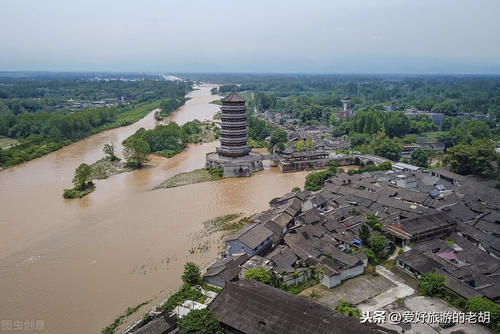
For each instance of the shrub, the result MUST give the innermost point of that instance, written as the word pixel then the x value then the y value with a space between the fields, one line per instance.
pixel 482 304
pixel 185 293
pixel 377 244
pixel 315 180
pixel 347 309
pixel 372 258
pixel 314 294
pixel 431 285
pixel 200 322
pixel 259 274
pixel 386 165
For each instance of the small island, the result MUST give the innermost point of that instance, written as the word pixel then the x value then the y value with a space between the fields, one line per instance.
pixel 82 182
pixel 164 140
pixel 195 176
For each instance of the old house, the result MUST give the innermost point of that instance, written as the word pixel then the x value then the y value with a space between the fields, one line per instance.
pixel 225 271
pixel 252 239
pixel 403 167
pixel 407 182
pixel 251 307
pixel 339 266
pixel 445 174
pixel 421 228
pixel 163 323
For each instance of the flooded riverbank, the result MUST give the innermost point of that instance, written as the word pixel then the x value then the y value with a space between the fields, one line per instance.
pixel 77 264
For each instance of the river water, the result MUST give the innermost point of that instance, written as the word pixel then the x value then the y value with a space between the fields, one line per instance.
pixel 78 264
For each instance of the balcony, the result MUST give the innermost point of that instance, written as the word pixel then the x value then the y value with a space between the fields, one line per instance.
pixel 234 116
pixel 234 132
pixel 235 108
pixel 225 140
pixel 228 125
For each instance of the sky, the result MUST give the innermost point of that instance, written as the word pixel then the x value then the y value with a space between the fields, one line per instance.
pixel 307 36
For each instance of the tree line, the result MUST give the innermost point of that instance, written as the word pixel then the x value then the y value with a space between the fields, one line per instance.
pixel 43 130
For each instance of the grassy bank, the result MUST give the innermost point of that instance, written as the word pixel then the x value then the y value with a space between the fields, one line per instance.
pixel 226 223
pixel 195 176
pixel 111 329
pixel 104 168
pixel 171 139
pixel 36 146
pixel 76 193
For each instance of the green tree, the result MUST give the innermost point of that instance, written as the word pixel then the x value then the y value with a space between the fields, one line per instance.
pixel 109 151
pixel 478 129
pixel 200 322
pixel 314 181
pixel 259 274
pixel 294 189
pixel 482 304
pixel 419 158
pixel 385 147
pixel 192 274
pixel 299 146
pixel 373 222
pixel 364 234
pixel 277 136
pixel 396 124
pixel 82 177
pixel 372 258
pixel 474 159
pixel 158 116
pixel 377 244
pixel 386 165
pixel 431 285
pixel 136 152
pixel 309 144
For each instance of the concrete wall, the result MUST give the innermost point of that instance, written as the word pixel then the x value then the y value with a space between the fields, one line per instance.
pixel 334 280
pixel 304 275
pixel 240 167
pixel 236 247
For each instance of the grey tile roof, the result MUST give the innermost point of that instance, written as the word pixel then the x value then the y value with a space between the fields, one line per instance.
pixel 233 97
pixel 418 261
pixel 252 235
pixel 283 257
pixel 228 269
pixel 427 222
pixel 252 307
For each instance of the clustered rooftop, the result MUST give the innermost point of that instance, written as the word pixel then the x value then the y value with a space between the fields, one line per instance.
pixel 304 229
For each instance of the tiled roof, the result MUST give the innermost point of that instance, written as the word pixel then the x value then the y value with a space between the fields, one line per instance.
pixel 252 307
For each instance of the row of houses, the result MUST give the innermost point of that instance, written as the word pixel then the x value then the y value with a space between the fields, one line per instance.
pixel 300 231
pixel 446 223
pixel 304 230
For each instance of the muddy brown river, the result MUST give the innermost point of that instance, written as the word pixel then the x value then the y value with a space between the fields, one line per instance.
pixel 78 264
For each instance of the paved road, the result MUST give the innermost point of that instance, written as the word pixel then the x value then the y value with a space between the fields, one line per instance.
pixel 401 290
